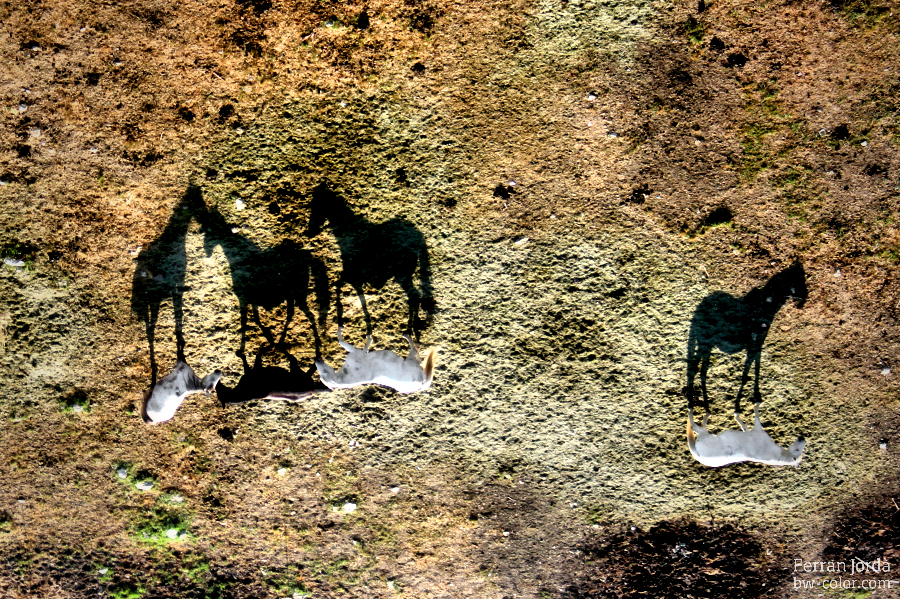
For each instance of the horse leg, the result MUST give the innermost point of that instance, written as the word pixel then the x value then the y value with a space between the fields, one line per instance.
pixel 744 378
pixel 150 318
pixel 304 307
pixel 413 300
pixel 265 331
pixel 757 398
pixel 178 309
pixel 413 354
pixel 287 321
pixel 243 329
pixel 365 309
pixel 704 367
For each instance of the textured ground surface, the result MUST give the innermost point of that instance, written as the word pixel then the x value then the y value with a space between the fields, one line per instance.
pixel 582 174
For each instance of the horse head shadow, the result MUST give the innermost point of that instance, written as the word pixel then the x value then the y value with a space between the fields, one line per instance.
pixel 160 272
pixel 375 253
pixel 735 324
pixel 271 382
pixel 268 277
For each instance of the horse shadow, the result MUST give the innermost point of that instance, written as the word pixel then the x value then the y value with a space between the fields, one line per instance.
pixel 735 324
pixel 267 277
pixel 373 254
pixel 271 382
pixel 159 274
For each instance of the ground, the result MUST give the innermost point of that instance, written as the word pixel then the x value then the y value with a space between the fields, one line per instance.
pixel 558 184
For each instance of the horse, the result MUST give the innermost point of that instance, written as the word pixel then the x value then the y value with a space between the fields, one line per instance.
pixel 736 324
pixel 271 382
pixel 268 277
pixel 375 253
pixel 159 274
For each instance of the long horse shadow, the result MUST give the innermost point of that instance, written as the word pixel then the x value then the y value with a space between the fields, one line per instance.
pixel 159 274
pixel 375 253
pixel 268 277
pixel 736 324
pixel 271 382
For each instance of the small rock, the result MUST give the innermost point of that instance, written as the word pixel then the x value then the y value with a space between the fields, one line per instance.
pixel 282 471
pixel 172 533
pixel 521 240
pixel 239 204
pixel 144 485
pixel 23 107
pixel 177 498
pixel 591 97
pixel 102 571
pixel 885 371
pixel 395 489
pixel 14 262
pixel 882 446
pixel 864 144
pixel 505 533
pixel 77 408
pixel 122 473
pixel 349 507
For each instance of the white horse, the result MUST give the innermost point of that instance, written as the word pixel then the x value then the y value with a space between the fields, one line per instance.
pixel 730 447
pixel 382 367
pixel 167 395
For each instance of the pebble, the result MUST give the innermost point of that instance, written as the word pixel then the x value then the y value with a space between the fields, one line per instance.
pixel 883 446
pixel 102 571
pixel 239 204
pixel 349 507
pixel 144 485
pixel 282 471
pixel 177 498
pixel 591 97
pixel 77 408
pixel 23 107
pixel 122 473
pixel 864 144
pixel 395 489
pixel 14 262
pixel 521 240
pixel 172 533
pixel 885 371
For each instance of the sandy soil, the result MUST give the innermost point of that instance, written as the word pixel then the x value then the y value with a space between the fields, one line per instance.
pixel 583 174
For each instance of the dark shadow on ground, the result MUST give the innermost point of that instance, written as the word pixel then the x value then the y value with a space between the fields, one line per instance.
pixel 374 253
pixel 159 274
pixel 267 277
pixel 271 382
pixel 735 324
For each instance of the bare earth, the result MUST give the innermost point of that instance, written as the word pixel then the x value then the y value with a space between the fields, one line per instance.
pixel 582 173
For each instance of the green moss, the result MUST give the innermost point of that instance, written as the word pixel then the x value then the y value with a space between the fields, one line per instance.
pixel 161 525
pixel 694 30
pixel 127 591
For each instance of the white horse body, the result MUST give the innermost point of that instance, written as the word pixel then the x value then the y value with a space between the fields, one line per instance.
pixel 168 394
pixel 382 367
pixel 731 447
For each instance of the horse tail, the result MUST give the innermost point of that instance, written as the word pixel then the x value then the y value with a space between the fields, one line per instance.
pixel 428 367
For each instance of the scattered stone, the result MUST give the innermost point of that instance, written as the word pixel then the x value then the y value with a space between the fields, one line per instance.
pixel 144 485
pixel 177 498
pixel 122 473
pixel 282 471
pixel 349 507
pixel 239 204
pixel 521 240
pixel 883 446
pixel 102 571
pixel 172 533
pixel 23 107
pixel 14 262
pixel 77 408
pixel 885 371
pixel 395 489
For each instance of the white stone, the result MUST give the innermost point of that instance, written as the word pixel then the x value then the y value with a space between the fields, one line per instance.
pixel 122 473
pixel 144 485
pixel 282 471
pixel 172 533
pixel 349 507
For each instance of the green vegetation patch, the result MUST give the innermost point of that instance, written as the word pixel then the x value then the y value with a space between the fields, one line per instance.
pixel 161 525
